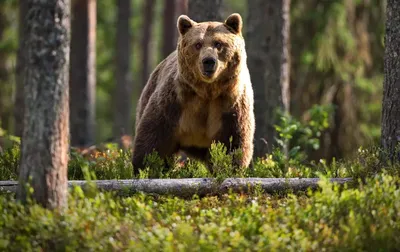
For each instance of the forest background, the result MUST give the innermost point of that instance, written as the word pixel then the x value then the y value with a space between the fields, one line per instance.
pixel 336 68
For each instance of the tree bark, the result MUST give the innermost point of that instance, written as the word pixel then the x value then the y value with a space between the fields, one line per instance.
pixel 169 28
pixel 4 75
pixel 83 72
pixel 391 85
pixel 146 37
pixel 268 61
pixel 186 188
pixel 124 89
pixel 44 147
pixel 285 55
pixel 205 10
pixel 20 64
pixel 182 7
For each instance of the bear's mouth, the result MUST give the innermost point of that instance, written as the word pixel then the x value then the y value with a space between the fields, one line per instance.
pixel 208 73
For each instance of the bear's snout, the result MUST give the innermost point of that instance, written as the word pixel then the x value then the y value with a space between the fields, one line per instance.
pixel 209 65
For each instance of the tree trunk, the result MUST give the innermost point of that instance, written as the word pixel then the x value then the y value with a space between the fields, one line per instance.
pixel 44 147
pixel 146 36
pixel 19 92
pixel 205 10
pixel 123 93
pixel 268 61
pixel 83 72
pixel 391 84
pixel 181 8
pixel 169 28
pixel 285 55
pixel 4 82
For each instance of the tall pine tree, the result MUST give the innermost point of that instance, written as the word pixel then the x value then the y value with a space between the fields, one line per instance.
pixel 44 147
pixel 391 84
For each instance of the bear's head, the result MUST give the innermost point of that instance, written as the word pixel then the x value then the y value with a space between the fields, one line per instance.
pixel 210 52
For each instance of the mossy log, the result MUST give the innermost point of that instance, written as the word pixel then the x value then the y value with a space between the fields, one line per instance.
pixel 186 188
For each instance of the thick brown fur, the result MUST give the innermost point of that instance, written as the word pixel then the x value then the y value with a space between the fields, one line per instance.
pixel 184 108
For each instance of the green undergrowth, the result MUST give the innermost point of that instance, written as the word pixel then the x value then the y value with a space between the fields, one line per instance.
pixel 114 163
pixel 365 218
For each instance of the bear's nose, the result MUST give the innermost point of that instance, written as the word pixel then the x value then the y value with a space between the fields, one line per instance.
pixel 209 64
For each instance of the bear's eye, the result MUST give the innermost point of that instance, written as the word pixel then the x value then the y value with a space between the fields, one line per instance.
pixel 198 45
pixel 218 45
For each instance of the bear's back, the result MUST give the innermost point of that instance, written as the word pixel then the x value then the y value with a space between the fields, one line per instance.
pixel 162 75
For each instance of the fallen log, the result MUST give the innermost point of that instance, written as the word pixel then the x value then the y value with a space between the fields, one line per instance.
pixel 186 188
pixel 274 185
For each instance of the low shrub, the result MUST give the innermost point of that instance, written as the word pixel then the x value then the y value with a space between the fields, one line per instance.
pixel 114 163
pixel 366 218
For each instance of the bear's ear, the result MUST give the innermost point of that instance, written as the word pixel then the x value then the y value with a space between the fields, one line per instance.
pixel 235 23
pixel 184 24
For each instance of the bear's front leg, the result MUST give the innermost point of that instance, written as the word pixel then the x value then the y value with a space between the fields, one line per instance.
pixel 238 133
pixel 155 132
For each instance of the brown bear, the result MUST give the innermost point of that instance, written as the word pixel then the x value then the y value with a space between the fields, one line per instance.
pixel 200 93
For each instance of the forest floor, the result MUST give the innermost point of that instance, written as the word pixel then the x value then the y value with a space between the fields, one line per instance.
pixel 362 217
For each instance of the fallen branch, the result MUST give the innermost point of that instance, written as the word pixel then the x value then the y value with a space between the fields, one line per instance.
pixel 201 186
